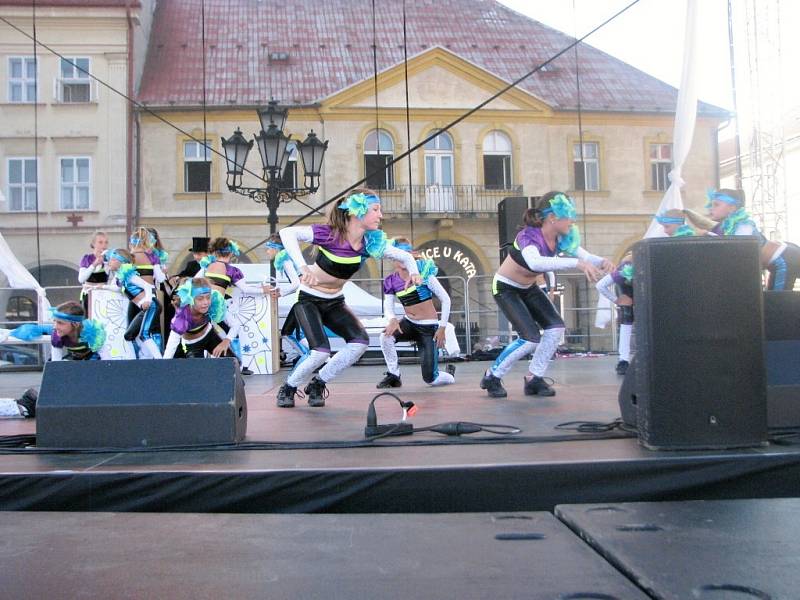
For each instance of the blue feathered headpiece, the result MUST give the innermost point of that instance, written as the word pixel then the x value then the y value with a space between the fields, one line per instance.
pixel 427 268
pixel 712 194
pixel 280 260
pixel 569 243
pixel 562 207
pixel 627 272
pixel 207 260
pixel 402 245
pixel 187 292
pixel 358 204
pixel 93 334
pixel 375 242
pixel 163 255
pixel 216 312
pixel 126 272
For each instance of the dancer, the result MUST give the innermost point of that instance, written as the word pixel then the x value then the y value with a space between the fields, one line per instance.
pixel 780 259
pixel 143 304
pixel 75 337
pixel 146 262
pixel 673 221
pixel 217 268
pixel 420 323
pixel 193 326
pixel 278 255
pixel 617 286
pixel 549 230
pixel 350 236
pixel 92 271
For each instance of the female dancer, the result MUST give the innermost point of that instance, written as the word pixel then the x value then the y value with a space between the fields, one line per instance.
pixel 75 337
pixel 673 221
pixel 420 323
pixel 92 269
pixel 350 237
pixel 549 230
pixel 141 294
pixel 217 268
pixel 278 255
pixel 193 324
pixel 617 286
pixel 145 324
pixel 781 259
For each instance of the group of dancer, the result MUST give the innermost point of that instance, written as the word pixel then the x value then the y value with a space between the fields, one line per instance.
pixel 548 241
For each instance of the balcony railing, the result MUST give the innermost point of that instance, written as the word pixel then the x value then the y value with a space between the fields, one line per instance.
pixel 444 199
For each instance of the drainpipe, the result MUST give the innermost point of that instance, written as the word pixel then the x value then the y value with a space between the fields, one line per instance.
pixel 129 115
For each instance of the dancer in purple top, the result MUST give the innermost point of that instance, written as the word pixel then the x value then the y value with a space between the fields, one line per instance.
pixel 549 231
pixel 350 236
pixel 92 269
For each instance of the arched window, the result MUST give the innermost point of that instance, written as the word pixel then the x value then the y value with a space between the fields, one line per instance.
pixel 378 152
pixel 497 161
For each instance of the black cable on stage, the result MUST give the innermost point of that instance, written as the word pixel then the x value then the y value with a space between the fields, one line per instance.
pixel 145 108
pixel 458 120
pixel 408 127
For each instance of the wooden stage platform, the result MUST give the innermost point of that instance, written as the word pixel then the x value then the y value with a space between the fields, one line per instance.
pixel 305 460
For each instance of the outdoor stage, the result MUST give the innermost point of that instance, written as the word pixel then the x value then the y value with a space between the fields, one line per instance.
pixel 279 469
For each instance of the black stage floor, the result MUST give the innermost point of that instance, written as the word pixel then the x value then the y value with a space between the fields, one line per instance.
pixel 280 470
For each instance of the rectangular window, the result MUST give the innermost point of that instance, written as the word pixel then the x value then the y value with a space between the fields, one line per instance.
pixel 586 172
pixel 660 166
pixel 76 183
pixel 196 167
pixel 289 177
pixel 74 83
pixel 22 184
pixel 497 171
pixel 383 176
pixel 21 79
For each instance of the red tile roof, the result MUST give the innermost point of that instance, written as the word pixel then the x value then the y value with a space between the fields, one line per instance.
pixel 329 43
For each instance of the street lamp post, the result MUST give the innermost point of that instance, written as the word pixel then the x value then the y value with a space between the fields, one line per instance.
pixel 274 149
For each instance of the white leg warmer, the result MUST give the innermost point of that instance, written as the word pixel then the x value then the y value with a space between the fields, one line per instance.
pixel 545 350
pixel 9 408
pixel 149 349
pixel 305 368
pixel 512 353
pixel 625 332
pixel 343 359
pixel 390 354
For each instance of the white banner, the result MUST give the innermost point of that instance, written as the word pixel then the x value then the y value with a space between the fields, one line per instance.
pixel 258 326
pixel 111 309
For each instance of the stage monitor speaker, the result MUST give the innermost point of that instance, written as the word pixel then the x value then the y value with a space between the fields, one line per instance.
pixel 136 403
pixel 782 335
pixel 700 373
pixel 509 219
pixel 627 397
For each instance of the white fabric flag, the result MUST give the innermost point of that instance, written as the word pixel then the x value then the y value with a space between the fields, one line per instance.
pixel 685 117
pixel 19 277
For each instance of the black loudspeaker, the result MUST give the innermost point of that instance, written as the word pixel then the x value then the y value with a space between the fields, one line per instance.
pixel 509 221
pixel 782 335
pixel 700 375
pixel 136 403
pixel 628 396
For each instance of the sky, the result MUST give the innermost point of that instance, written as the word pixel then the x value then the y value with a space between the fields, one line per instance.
pixel 648 36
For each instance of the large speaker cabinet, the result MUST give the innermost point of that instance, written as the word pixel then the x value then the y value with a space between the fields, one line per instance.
pixel 140 403
pixel 700 373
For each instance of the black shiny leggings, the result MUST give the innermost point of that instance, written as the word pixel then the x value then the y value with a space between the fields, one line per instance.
pixel 206 344
pixel 423 336
pixel 528 309
pixel 314 314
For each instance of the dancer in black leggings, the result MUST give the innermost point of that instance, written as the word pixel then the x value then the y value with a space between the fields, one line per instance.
pixel 549 231
pixel 350 237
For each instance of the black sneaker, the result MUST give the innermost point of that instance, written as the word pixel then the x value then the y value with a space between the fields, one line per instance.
pixel 451 368
pixel 494 386
pixel 286 396
pixel 537 386
pixel 246 371
pixel 390 381
pixel 622 367
pixel 27 403
pixel 316 392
